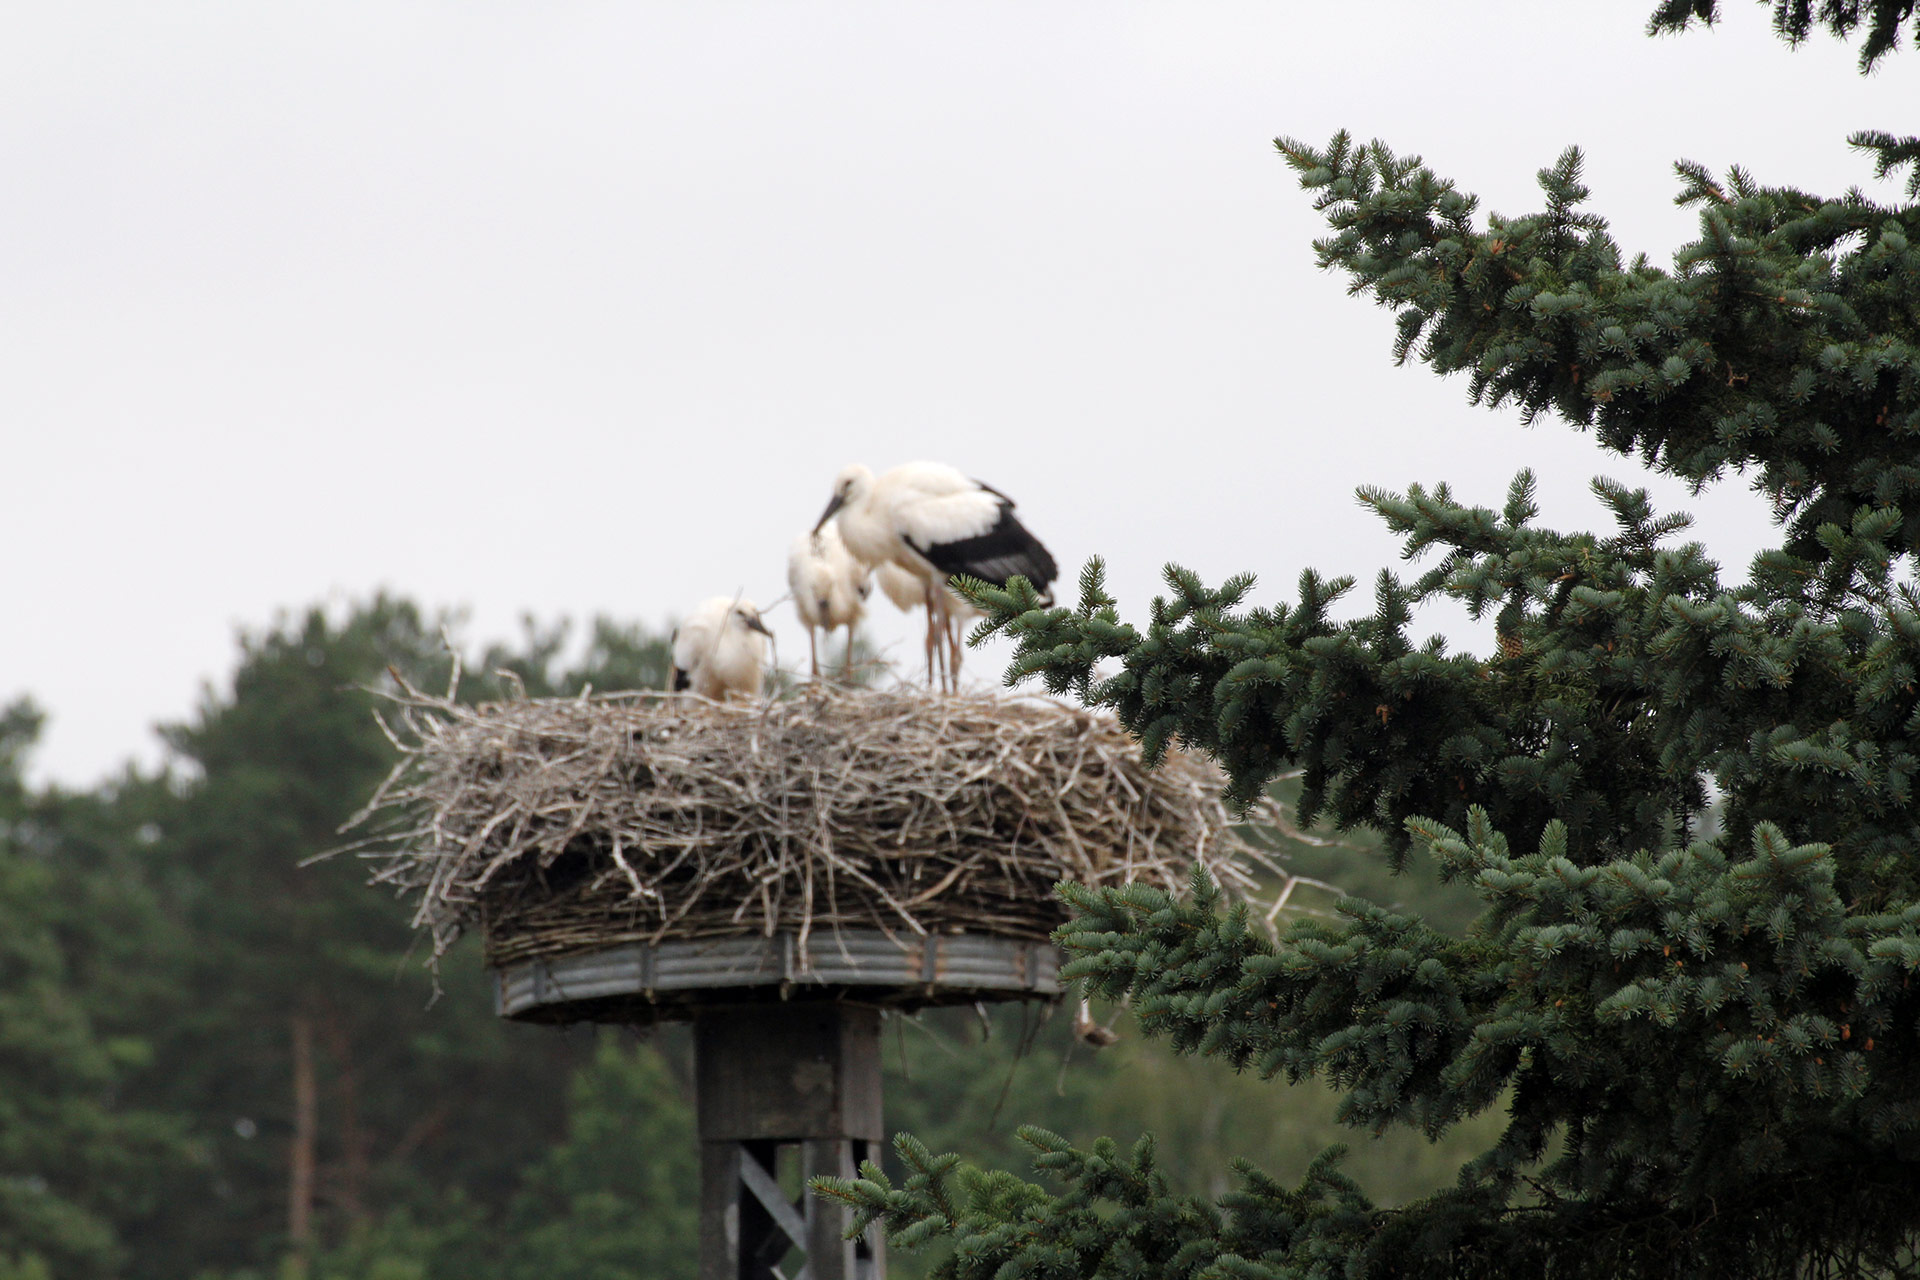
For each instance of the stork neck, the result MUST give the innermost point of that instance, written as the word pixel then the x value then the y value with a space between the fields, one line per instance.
pixel 866 532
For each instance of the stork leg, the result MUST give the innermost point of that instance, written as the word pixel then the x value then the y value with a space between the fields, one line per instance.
pixel 813 654
pixel 956 653
pixel 939 621
pixel 949 631
pixel 933 651
pixel 932 644
pixel 956 650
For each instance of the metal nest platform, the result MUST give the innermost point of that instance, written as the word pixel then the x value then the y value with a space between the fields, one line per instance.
pixel 672 979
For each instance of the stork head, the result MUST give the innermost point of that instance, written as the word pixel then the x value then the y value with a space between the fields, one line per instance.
pixel 849 486
pixel 745 615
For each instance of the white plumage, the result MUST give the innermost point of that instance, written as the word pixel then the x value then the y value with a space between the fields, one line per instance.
pixel 720 651
pixel 829 587
pixel 905 589
pixel 933 522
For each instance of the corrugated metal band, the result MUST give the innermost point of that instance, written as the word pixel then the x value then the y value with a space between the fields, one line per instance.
pixel 897 969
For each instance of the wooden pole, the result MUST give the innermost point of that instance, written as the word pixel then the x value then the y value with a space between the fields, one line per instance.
pixel 802 1076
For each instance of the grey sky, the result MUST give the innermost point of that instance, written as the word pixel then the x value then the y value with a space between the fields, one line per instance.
pixel 577 308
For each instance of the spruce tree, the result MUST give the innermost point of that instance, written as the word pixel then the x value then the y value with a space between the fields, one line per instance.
pixel 1692 1003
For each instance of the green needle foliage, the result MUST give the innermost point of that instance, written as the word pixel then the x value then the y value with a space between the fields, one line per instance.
pixel 1795 20
pixel 1694 1005
pixel 78 1159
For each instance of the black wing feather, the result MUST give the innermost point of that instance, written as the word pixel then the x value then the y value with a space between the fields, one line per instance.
pixel 1005 550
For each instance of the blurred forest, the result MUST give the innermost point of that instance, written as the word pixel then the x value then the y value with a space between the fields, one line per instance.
pixel 218 1063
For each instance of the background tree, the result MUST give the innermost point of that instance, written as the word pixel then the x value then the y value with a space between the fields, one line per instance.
pixel 297 1039
pixel 204 1044
pixel 610 1201
pixel 1702 1033
pixel 404 1105
pixel 77 957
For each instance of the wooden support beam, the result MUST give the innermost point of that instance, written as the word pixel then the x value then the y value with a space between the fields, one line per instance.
pixel 788 1071
pixel 769 1077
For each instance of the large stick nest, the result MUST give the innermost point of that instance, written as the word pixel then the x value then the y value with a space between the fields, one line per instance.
pixel 568 825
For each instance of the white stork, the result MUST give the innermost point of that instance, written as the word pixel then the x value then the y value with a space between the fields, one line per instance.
pixel 829 588
pixel 933 521
pixel 721 649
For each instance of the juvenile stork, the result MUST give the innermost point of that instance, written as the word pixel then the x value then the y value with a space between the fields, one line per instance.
pixel 933 521
pixel 829 588
pixel 720 651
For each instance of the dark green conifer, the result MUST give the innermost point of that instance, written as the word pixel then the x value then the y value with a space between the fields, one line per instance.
pixel 1705 1035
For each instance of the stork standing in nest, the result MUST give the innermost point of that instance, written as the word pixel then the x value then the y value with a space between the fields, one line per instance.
pixel 829 589
pixel 935 523
pixel 720 651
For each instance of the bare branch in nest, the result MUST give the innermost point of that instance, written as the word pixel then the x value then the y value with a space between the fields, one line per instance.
pixel 566 825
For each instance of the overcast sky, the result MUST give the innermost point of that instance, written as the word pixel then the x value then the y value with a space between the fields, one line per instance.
pixel 577 308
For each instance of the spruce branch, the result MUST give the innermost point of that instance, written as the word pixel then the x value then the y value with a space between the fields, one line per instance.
pixel 1783 339
pixel 1795 20
pixel 1766 1007
pixel 1891 154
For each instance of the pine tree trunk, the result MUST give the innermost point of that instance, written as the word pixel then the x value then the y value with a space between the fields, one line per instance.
pixel 300 1157
pixel 353 1139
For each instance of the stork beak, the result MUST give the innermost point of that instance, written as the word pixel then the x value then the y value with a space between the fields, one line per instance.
pixel 828 513
pixel 753 621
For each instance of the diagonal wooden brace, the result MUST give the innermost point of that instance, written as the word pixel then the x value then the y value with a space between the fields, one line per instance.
pixel 774 1201
pixel 770 1077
